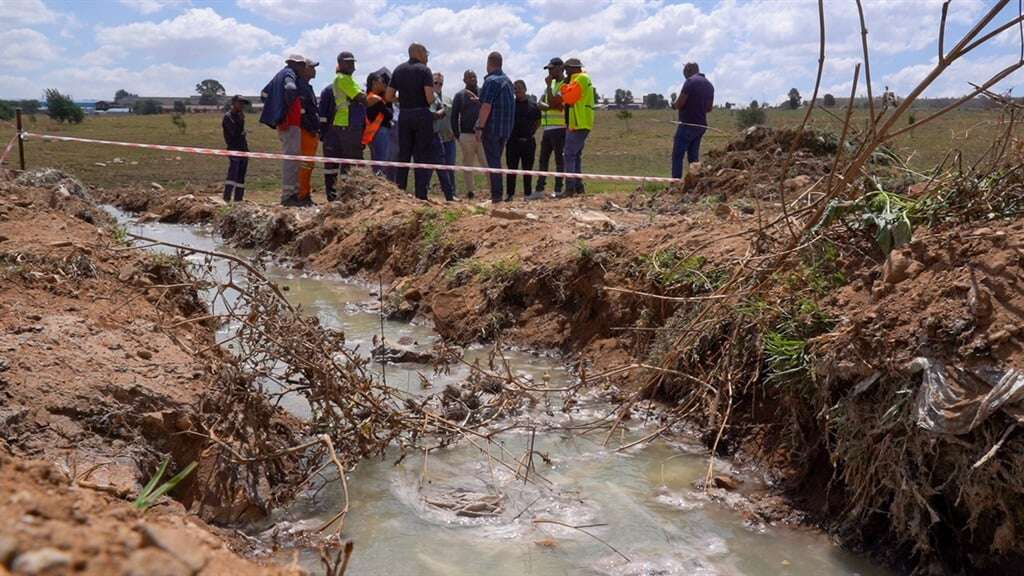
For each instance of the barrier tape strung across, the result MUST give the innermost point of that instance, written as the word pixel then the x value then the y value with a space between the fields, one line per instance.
pixel 350 161
pixel 7 149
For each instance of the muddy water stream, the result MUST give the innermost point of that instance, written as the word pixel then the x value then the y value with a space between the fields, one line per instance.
pixel 641 500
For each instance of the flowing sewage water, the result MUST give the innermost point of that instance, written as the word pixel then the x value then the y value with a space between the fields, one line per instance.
pixel 641 499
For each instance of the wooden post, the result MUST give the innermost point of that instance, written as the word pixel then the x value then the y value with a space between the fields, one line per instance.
pixel 21 143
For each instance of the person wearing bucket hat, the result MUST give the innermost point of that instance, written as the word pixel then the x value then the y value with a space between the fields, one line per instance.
pixel 342 119
pixel 310 131
pixel 579 99
pixel 553 124
pixel 282 111
pixel 233 125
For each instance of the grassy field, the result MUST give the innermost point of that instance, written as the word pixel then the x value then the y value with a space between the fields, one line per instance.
pixel 641 148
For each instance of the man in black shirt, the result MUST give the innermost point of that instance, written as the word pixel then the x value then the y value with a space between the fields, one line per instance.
pixel 522 147
pixel 413 82
pixel 234 138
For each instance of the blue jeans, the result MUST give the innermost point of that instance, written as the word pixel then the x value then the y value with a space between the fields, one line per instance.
pixel 574 142
pixel 494 149
pixel 447 177
pixel 687 142
pixel 379 150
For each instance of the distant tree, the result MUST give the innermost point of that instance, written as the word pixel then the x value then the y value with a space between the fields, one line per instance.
pixel 210 92
pixel 752 116
pixel 625 115
pixel 62 108
pixel 620 96
pixel 179 122
pixel 6 110
pixel 147 107
pixel 672 98
pixel 754 104
pixel 793 99
pixel 179 107
pixel 729 105
pixel 829 101
pixel 122 94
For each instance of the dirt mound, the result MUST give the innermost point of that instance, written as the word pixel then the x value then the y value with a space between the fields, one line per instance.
pixel 99 374
pixel 57 526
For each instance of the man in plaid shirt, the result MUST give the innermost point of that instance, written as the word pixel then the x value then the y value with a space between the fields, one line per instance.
pixel 497 117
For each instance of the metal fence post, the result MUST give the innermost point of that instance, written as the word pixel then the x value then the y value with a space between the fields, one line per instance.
pixel 21 142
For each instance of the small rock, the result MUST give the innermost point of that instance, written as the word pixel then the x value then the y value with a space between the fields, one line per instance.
pixel 532 216
pixel 507 214
pixel 413 295
pixel 40 561
pixel 154 562
pixel 100 164
pixel 8 548
pixel 402 354
pixel 117 161
pixel 725 482
pixel 896 267
pixel 145 354
pixel 797 182
pixel 156 186
pixel 176 543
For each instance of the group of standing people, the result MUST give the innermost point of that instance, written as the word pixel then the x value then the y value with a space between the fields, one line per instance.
pixel 403 116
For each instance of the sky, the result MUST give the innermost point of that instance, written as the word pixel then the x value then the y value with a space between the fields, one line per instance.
pixel 756 49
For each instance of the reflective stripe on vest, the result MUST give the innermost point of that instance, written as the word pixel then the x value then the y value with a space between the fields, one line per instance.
pixel 549 116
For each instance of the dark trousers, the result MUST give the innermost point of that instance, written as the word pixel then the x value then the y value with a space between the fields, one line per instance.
pixel 519 153
pixel 446 155
pixel 416 142
pixel 234 185
pixel 494 147
pixel 574 143
pixel 686 143
pixel 553 142
pixel 340 142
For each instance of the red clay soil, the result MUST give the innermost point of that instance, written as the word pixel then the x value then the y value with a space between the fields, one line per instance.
pixel 92 397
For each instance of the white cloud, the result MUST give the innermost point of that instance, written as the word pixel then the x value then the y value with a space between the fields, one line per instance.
pixel 25 49
pixel 304 11
pixel 20 12
pixel 197 33
pixel 152 6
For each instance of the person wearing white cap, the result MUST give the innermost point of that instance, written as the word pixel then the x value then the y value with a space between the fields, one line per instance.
pixel 282 111
pixel 310 131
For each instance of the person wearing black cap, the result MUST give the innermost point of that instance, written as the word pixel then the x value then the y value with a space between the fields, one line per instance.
pixel 553 123
pixel 342 119
pixel 233 125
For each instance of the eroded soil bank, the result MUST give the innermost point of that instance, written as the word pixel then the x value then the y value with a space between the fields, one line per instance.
pixel 845 373
pixel 93 397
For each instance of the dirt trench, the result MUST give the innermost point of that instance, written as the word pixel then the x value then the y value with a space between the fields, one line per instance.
pixel 96 392
pixel 820 379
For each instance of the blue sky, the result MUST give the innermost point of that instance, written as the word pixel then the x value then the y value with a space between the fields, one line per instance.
pixel 749 49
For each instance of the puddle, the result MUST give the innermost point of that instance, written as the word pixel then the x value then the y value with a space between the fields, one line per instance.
pixel 640 502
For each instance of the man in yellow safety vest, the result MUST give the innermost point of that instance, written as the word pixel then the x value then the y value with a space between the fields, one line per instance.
pixel 552 122
pixel 579 98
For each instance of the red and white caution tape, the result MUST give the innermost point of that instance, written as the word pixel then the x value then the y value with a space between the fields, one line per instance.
pixel 7 149
pixel 355 162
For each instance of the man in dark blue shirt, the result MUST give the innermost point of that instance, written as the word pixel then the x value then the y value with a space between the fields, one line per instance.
pixel 497 116
pixel 413 82
pixel 694 102
pixel 233 125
